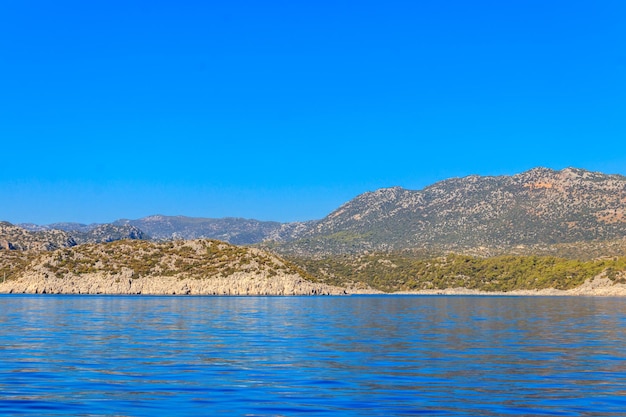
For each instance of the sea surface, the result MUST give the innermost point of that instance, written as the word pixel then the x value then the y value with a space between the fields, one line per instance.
pixel 312 356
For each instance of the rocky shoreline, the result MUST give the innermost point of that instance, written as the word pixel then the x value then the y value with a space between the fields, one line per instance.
pixel 256 285
pixel 236 284
pixel 599 286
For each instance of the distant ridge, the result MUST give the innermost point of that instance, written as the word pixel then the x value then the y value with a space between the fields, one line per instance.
pixel 39 238
pixel 234 230
pixel 17 238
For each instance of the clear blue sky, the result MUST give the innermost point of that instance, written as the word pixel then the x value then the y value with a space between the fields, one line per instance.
pixel 283 110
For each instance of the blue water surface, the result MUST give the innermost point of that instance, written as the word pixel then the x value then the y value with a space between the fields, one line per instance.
pixel 283 356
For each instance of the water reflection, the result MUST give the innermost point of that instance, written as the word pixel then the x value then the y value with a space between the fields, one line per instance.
pixel 492 356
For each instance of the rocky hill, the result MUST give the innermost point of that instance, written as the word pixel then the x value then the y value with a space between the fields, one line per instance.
pixel 142 267
pixel 535 208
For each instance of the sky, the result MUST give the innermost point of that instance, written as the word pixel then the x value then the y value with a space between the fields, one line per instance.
pixel 284 110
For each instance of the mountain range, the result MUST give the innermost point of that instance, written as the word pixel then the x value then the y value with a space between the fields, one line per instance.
pixel 34 237
pixel 537 207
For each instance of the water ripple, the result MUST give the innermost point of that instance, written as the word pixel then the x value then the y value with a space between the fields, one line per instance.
pixel 272 356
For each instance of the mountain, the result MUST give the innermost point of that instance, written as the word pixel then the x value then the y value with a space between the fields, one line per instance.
pixel 65 226
pixel 46 238
pixel 233 230
pixel 16 238
pixel 158 227
pixel 107 233
pixel 537 207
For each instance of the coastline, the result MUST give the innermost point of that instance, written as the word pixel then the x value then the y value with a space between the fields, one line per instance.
pixel 248 284
pixel 235 284
pixel 599 286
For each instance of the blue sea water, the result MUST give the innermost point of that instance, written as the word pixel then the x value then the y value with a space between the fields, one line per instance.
pixel 282 356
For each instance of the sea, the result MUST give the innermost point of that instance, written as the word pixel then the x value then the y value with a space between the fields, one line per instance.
pixel 387 355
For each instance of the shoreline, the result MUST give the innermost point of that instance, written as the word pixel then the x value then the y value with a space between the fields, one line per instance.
pixel 599 286
pixel 235 284
pixel 254 285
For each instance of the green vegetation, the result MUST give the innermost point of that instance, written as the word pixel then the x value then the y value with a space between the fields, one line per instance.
pixel 400 272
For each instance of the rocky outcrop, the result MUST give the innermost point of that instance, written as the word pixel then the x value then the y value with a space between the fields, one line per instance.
pixel 600 285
